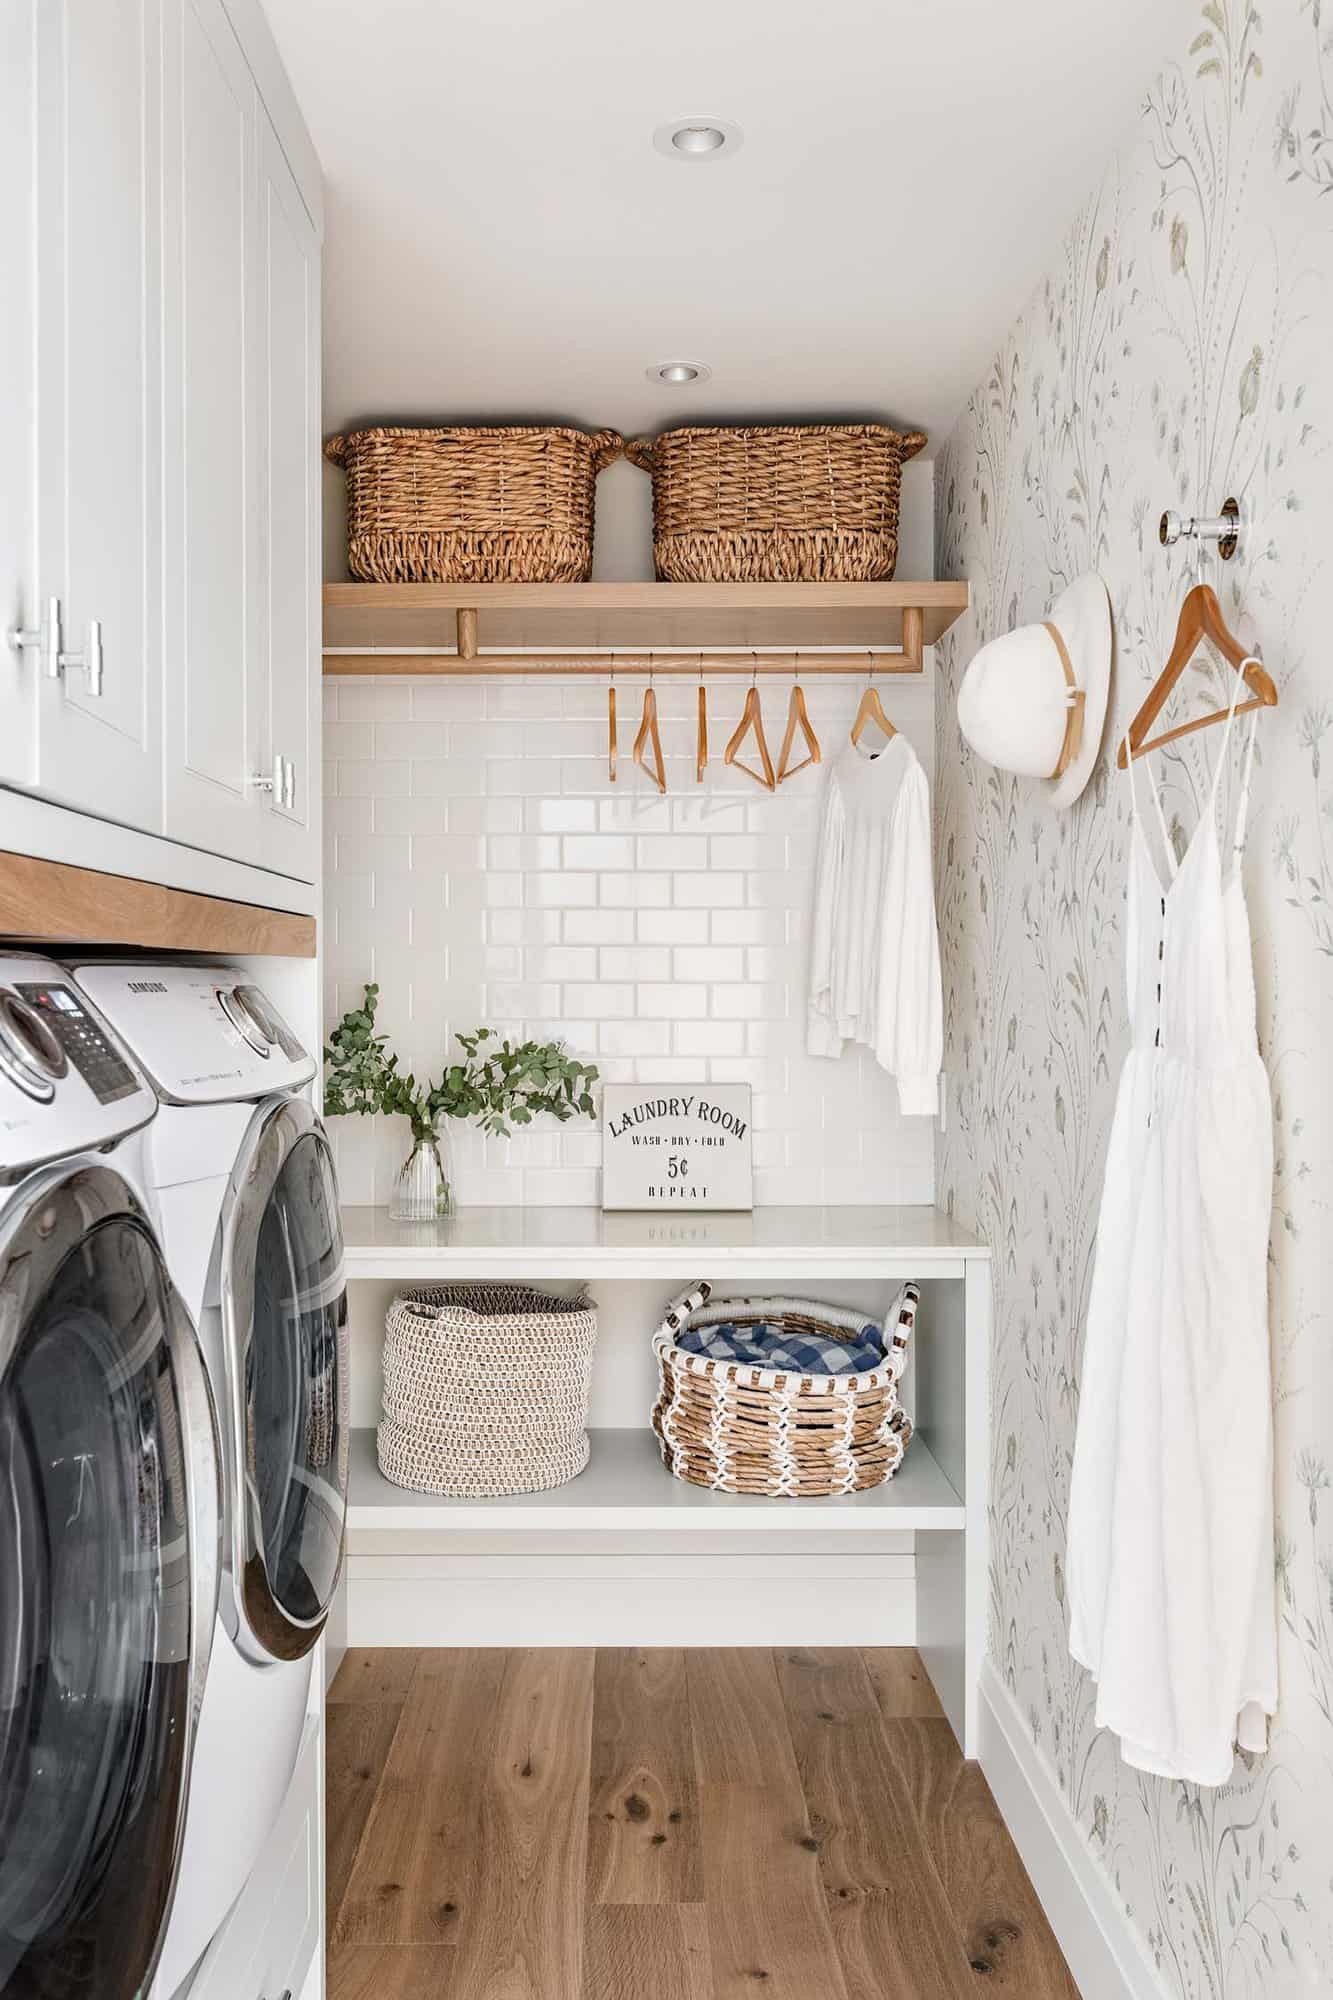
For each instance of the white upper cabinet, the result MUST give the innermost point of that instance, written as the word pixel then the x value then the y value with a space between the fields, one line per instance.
pixel 214 684
pixel 19 666
pixel 162 407
pixel 289 448
pixel 98 669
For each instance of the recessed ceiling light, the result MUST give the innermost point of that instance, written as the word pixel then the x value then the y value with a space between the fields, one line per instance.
pixel 697 138
pixel 676 374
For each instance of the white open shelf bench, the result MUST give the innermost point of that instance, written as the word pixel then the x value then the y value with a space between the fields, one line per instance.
pixel 628 1555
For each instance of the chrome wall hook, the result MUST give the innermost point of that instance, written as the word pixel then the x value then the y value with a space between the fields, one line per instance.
pixel 1223 529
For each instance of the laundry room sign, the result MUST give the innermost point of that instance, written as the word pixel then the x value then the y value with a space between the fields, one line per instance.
pixel 686 1146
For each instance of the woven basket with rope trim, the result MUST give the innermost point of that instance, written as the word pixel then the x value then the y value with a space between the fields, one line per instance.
pixel 505 504
pixel 742 1429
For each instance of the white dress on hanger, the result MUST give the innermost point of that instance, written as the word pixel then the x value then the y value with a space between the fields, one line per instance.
pixel 1171 1583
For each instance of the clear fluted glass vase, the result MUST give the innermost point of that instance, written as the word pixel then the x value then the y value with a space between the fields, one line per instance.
pixel 423 1191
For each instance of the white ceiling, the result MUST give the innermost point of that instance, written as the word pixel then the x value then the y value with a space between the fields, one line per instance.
pixel 504 242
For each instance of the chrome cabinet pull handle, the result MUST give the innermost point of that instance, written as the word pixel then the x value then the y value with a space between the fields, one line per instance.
pixel 45 636
pixel 89 662
pixel 55 661
pixel 262 781
pixel 289 788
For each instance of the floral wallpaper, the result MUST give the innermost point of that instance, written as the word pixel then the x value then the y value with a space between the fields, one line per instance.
pixel 1180 350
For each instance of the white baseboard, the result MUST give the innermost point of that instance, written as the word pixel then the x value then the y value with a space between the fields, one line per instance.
pixel 1105 1953
pixel 619 1601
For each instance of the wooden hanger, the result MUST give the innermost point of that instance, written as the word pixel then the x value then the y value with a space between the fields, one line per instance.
pixel 752 718
pixel 1200 618
pixel 797 718
pixel 701 745
pixel 872 710
pixel 611 742
pixel 648 734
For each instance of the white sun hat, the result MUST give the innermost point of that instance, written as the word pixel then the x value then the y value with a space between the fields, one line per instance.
pixel 1034 700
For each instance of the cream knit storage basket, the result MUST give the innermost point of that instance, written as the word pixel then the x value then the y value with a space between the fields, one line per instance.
pixel 743 1429
pixel 485 1389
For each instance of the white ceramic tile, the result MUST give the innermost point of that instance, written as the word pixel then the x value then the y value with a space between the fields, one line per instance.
pixel 708 1038
pixel 634 1038
pixel 636 891
pixel 600 1002
pixel 560 815
pixel 708 961
pixel 635 962
pixel 560 961
pixel 710 892
pixel 598 850
pixel 523 850
pixel 599 926
pixel 672 850
pixel 673 926
pixel 673 1003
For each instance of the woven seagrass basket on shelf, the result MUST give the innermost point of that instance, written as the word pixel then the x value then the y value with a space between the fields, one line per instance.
pixel 814 503
pixel 504 504
pixel 485 1389
pixel 739 1428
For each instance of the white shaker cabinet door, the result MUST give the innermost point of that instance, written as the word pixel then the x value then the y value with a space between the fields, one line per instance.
pixel 213 637
pixel 20 665
pixel 289 433
pixel 96 216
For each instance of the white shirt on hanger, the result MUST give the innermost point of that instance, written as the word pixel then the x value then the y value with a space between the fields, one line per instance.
pixel 875 956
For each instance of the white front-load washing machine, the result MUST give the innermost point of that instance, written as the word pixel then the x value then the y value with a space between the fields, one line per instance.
pixel 243 1179
pixel 109 1512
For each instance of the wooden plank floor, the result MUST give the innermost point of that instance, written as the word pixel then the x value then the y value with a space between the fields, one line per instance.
pixel 696 1825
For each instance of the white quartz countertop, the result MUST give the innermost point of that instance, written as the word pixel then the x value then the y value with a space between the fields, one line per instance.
pixel 769 1243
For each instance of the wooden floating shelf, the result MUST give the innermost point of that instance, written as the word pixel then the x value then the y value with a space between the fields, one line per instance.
pixel 50 902
pixel 438 628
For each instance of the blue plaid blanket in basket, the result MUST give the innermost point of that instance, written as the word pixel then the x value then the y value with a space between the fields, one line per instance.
pixel 777 1343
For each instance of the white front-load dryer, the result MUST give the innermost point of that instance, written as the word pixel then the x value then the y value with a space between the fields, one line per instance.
pixel 109 1512
pixel 244 1183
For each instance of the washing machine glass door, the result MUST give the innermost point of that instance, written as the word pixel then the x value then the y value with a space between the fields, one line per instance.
pixel 284 1310
pixel 109 1526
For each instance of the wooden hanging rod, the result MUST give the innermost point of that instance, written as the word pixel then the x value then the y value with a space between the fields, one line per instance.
pixel 810 665
pixel 467 659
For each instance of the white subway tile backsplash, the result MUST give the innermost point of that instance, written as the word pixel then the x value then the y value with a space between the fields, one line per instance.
pixel 601 1001
pixel 560 815
pixel 673 1003
pixel 634 1038
pixel 598 850
pixel 635 962
pixel 710 892
pixel 708 961
pixel 636 891
pixel 410 739
pixel 599 926
pixel 486 870
pixel 671 850
pixel 672 926
pixel 560 891
pixel 708 1038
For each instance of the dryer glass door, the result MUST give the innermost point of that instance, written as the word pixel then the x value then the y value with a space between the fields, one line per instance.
pixel 285 1308
pixel 108 1576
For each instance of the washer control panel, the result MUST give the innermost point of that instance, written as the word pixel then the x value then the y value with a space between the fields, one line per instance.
pixel 73 1036
pixel 206 1034
pixel 66 1084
